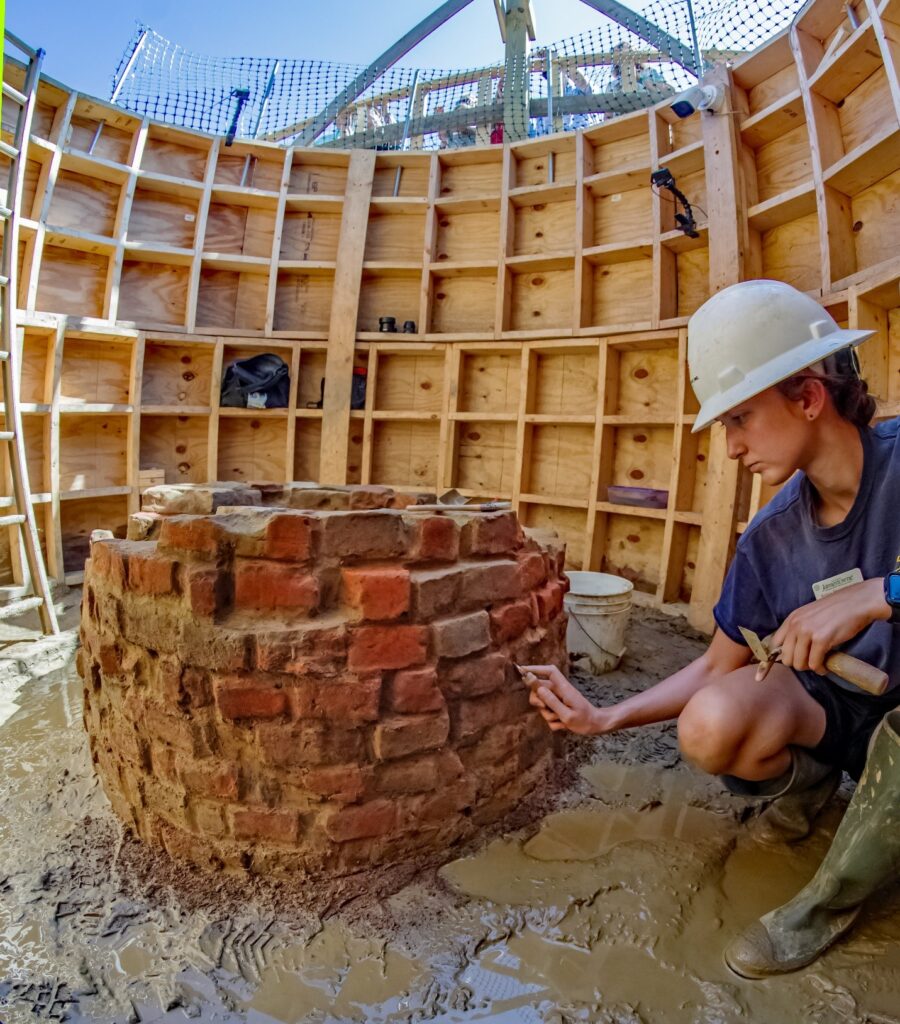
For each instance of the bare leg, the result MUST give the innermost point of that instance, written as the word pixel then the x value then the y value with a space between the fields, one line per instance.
pixel 737 726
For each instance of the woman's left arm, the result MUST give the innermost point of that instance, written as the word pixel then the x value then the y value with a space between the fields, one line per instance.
pixel 811 631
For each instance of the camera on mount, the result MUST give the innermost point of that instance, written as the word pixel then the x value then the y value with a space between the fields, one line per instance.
pixel 662 178
pixel 698 97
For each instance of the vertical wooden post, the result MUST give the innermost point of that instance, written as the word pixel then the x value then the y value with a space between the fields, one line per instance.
pixel 515 83
pixel 342 325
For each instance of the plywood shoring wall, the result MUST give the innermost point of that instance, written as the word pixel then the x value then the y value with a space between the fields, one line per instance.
pixel 548 286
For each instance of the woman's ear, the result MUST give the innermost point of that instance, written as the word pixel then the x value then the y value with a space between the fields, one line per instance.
pixel 813 398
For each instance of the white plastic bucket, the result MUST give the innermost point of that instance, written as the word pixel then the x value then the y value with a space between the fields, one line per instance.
pixel 598 605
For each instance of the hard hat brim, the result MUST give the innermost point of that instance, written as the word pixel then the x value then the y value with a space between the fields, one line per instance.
pixel 775 371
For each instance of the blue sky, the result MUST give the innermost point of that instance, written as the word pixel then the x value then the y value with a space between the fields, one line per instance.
pixel 84 40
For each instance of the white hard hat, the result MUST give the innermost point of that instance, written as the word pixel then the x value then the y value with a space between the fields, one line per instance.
pixel 752 335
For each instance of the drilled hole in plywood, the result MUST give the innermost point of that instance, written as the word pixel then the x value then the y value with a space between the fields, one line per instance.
pixel 537 281
pixel 356 439
pixel 255 424
pixel 184 468
pixel 641 372
pixel 857 225
pixel 185 359
pixel 444 223
pixel 690 565
pixel 181 448
pixel 640 438
pixel 440 296
pixel 633 538
pixel 188 376
pixel 701 457
pixel 539 206
pixel 539 234
pixel 473 435
pixel 441 256
pixel 426 385
pixel 636 474
pixel 535 312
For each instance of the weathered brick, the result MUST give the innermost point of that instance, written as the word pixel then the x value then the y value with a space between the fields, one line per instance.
pixel 511 620
pixel 487 582
pixel 469 717
pixel 465 634
pixel 217 781
pixel 497 533
pixel 448 802
pixel 310 744
pixel 369 496
pixel 379 592
pixel 308 646
pixel 289 536
pixel 385 647
pixel 418 774
pixel 199 536
pixel 436 539
pixel 165 728
pixel 435 591
pixel 243 697
pixel 108 563
pixel 408 734
pixel 213 646
pixel 195 687
pixel 474 677
pixel 345 782
pixel 413 691
pixel 150 573
pixel 549 600
pixel 532 570
pixel 263 824
pixel 496 745
pixel 207 590
pixel 364 535
pixel 301 496
pixel 375 818
pixel 267 586
pixel 206 817
pixel 351 699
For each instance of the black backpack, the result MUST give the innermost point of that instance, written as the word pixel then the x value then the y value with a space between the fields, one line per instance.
pixel 258 382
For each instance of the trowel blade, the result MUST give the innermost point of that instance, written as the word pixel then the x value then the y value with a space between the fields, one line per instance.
pixel 755 644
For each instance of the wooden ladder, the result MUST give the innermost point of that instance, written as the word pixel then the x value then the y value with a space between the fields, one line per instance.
pixel 21 517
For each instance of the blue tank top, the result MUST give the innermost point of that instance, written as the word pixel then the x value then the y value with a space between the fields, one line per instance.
pixel 784 551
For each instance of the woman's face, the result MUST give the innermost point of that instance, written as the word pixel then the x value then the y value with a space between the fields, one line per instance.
pixel 770 434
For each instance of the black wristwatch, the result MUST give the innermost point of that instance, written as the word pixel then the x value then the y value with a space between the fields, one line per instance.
pixel 892 594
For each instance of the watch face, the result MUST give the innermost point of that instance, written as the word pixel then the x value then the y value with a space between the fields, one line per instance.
pixel 893 588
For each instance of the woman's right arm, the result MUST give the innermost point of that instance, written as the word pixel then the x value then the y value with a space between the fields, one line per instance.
pixel 563 707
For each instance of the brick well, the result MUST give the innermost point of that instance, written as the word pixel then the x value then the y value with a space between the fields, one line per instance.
pixel 283 689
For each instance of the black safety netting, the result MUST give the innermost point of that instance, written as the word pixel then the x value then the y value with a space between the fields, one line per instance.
pixel 630 60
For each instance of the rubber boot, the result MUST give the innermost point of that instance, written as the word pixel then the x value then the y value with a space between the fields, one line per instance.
pixel 800 794
pixel 864 854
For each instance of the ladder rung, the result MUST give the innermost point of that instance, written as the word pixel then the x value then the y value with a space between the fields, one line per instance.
pixel 9 151
pixel 14 94
pixel 19 45
pixel 7 611
pixel 7 435
pixel 13 520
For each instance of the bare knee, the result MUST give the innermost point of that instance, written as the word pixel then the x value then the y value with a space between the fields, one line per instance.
pixel 711 729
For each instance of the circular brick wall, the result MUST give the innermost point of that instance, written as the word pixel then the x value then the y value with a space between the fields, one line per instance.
pixel 284 690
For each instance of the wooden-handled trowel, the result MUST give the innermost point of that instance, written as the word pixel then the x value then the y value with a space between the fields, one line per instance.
pixel 867 677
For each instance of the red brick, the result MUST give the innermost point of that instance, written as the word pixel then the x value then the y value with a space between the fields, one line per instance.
pixel 289 537
pixel 408 734
pixel 437 539
pixel 346 782
pixel 380 592
pixel 109 657
pixel 497 745
pixel 369 496
pixel 375 818
pixel 412 775
pixel 498 533
pixel 465 634
pixel 215 647
pixel 474 677
pixel 196 535
pixel 448 802
pixel 107 562
pixel 266 586
pixel 532 570
pixel 195 687
pixel 217 781
pixel 549 601
pixel 148 574
pixel 243 697
pixel 310 744
pixel 470 717
pixel 309 646
pixel 483 583
pixel 165 728
pixel 346 700
pixel 386 647
pixel 364 535
pixel 435 591
pixel 415 691
pixel 264 824
pixel 205 590
pixel 511 620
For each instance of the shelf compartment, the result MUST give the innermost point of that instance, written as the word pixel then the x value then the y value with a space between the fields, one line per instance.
pixel 690 492
pixel 395 237
pixel 462 301
pixel 873 159
pixel 175 153
pixel 618 293
pixel 783 163
pixel 679 583
pixel 153 293
pixel 783 115
pixel 318 173
pixel 115 137
pixel 642 457
pixel 80 517
pixel 489 381
pixel 547 162
pixel 96 371
pixel 252 448
pixel 622 141
pixel 632 547
pixel 388 292
pixel 178 445
pixel 688 263
pixel 466 236
pixel 72 282
pixel 47 102
pixel 543 228
pixel 540 299
pixel 622 179
pixel 414 174
pixel 309 382
pixel 413 382
pixel 228 299
pixel 796 202
pixel 790 253
pixel 308 444
pixel 247 166
pixel 558 461
pixel 484 457
pixel 78 200
pixel 37 349
pixel 621 217
pixel 568 523
pixel 405 454
pixel 476 175
pixel 233 352
pixel 563 382
pixel 303 300
pixel 641 380
pixel 872 222
pixel 768 75
pixel 159 218
pixel 93 451
pixel 848 65
pixel 239 230
pixel 862 113
pixel 310 235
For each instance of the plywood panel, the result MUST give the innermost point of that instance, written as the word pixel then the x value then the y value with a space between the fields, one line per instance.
pixel 461 181
pixel 310 236
pixel 464 303
pixel 486 458
pixel 307 176
pixel 29 187
pixel 32 381
pixel 866 111
pixel 467 236
pixel 95 371
pixel 249 170
pixel 79 518
pixel 72 282
pixel 634 550
pixel 542 300
pixel 621 293
pixel 312 373
pixel 544 227
pixel 93 451
pixel 228 299
pixel 303 301
pixel 622 217
pixel 409 382
pixel 783 163
pixel 647 379
pixel 307 442
pixel 536 170
pixel 568 523
pixel 489 382
pixel 405 454
pixel 252 448
pixel 112 143
pixel 564 383
pixel 395 237
pixel 388 295
pixel 153 293
pixel 772 88
pixel 876 221
pixel 239 230
pixel 162 218
pixel 611 156
pixel 413 178
pixel 693 280
pixel 643 457
pixel 177 444
pixel 176 374
pixel 559 464
pixel 175 159
pixel 790 253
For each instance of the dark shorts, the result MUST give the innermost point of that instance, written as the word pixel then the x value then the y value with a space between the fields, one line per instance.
pixel 850 720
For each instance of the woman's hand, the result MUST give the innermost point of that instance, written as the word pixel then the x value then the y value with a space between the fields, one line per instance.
pixel 560 704
pixel 812 631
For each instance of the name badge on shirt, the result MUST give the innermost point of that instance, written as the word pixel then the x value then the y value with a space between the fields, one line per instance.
pixel 834 583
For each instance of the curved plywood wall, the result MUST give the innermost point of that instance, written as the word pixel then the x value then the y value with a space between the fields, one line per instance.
pixel 548 284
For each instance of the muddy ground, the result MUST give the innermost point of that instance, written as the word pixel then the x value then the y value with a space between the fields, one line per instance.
pixel 612 906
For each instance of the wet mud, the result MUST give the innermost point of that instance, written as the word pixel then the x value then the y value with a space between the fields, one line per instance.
pixel 613 906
